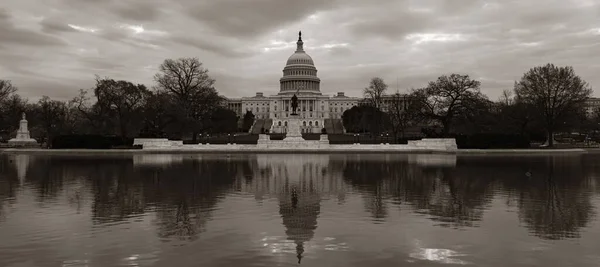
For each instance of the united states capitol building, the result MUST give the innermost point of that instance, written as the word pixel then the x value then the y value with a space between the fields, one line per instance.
pixel 315 109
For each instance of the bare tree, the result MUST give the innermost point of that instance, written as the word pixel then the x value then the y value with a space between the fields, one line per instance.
pixel 554 92
pixel 375 92
pixel 6 89
pixel 157 113
pixel 193 90
pixel 506 98
pixel 122 99
pixel 403 113
pixel 83 109
pixel 10 113
pixel 447 97
pixel 52 116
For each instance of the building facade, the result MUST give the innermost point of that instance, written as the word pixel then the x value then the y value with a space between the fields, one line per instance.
pixel 300 78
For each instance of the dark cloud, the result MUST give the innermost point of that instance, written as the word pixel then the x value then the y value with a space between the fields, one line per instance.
pixel 340 51
pixel 246 19
pixel 113 34
pixel 16 63
pixel 53 25
pixel 216 48
pixel 97 63
pixel 11 34
pixel 142 11
pixel 33 88
pixel 394 27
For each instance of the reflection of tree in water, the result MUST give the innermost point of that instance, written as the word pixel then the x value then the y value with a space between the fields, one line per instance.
pixel 456 198
pixel 448 195
pixel 555 202
pixel 182 194
pixel 592 170
pixel 372 179
pixel 47 176
pixel 185 194
pixel 9 183
pixel 107 178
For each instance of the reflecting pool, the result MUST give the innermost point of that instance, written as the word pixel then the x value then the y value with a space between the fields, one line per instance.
pixel 312 210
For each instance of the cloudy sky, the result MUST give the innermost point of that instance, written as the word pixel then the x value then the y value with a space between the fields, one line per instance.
pixel 55 47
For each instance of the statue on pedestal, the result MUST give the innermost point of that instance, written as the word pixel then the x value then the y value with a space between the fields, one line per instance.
pixel 294 104
pixel 22 139
pixel 295 100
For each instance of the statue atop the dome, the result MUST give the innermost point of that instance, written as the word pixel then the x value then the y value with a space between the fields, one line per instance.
pixel 300 35
pixel 294 104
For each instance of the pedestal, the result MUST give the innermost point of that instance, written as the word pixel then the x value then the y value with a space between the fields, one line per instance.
pixel 324 140
pixel 293 129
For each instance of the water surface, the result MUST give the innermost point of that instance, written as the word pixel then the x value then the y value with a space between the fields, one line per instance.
pixel 312 210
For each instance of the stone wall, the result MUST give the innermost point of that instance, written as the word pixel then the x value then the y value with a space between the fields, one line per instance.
pixel 265 145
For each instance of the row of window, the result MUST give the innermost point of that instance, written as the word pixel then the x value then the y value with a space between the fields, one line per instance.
pixel 336 109
pixel 301 115
pixel 341 104
pixel 303 108
pixel 263 109
pixel 300 72
pixel 310 123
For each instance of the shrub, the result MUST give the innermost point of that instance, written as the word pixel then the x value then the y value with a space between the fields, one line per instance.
pixel 90 142
pixel 492 140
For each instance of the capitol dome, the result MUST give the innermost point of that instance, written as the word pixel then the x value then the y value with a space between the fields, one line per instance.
pixel 299 73
pixel 300 57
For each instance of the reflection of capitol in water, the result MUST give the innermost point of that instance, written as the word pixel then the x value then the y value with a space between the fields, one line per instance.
pixel 274 175
pixel 298 182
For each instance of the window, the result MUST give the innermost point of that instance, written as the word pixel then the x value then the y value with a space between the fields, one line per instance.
pixel 279 124
pixel 285 123
pixel 303 123
pixel 316 123
pixel 257 109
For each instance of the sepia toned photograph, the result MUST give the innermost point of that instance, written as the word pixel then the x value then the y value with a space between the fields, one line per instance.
pixel 299 133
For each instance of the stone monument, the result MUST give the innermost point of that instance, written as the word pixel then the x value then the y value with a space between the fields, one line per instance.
pixel 23 139
pixel 293 130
